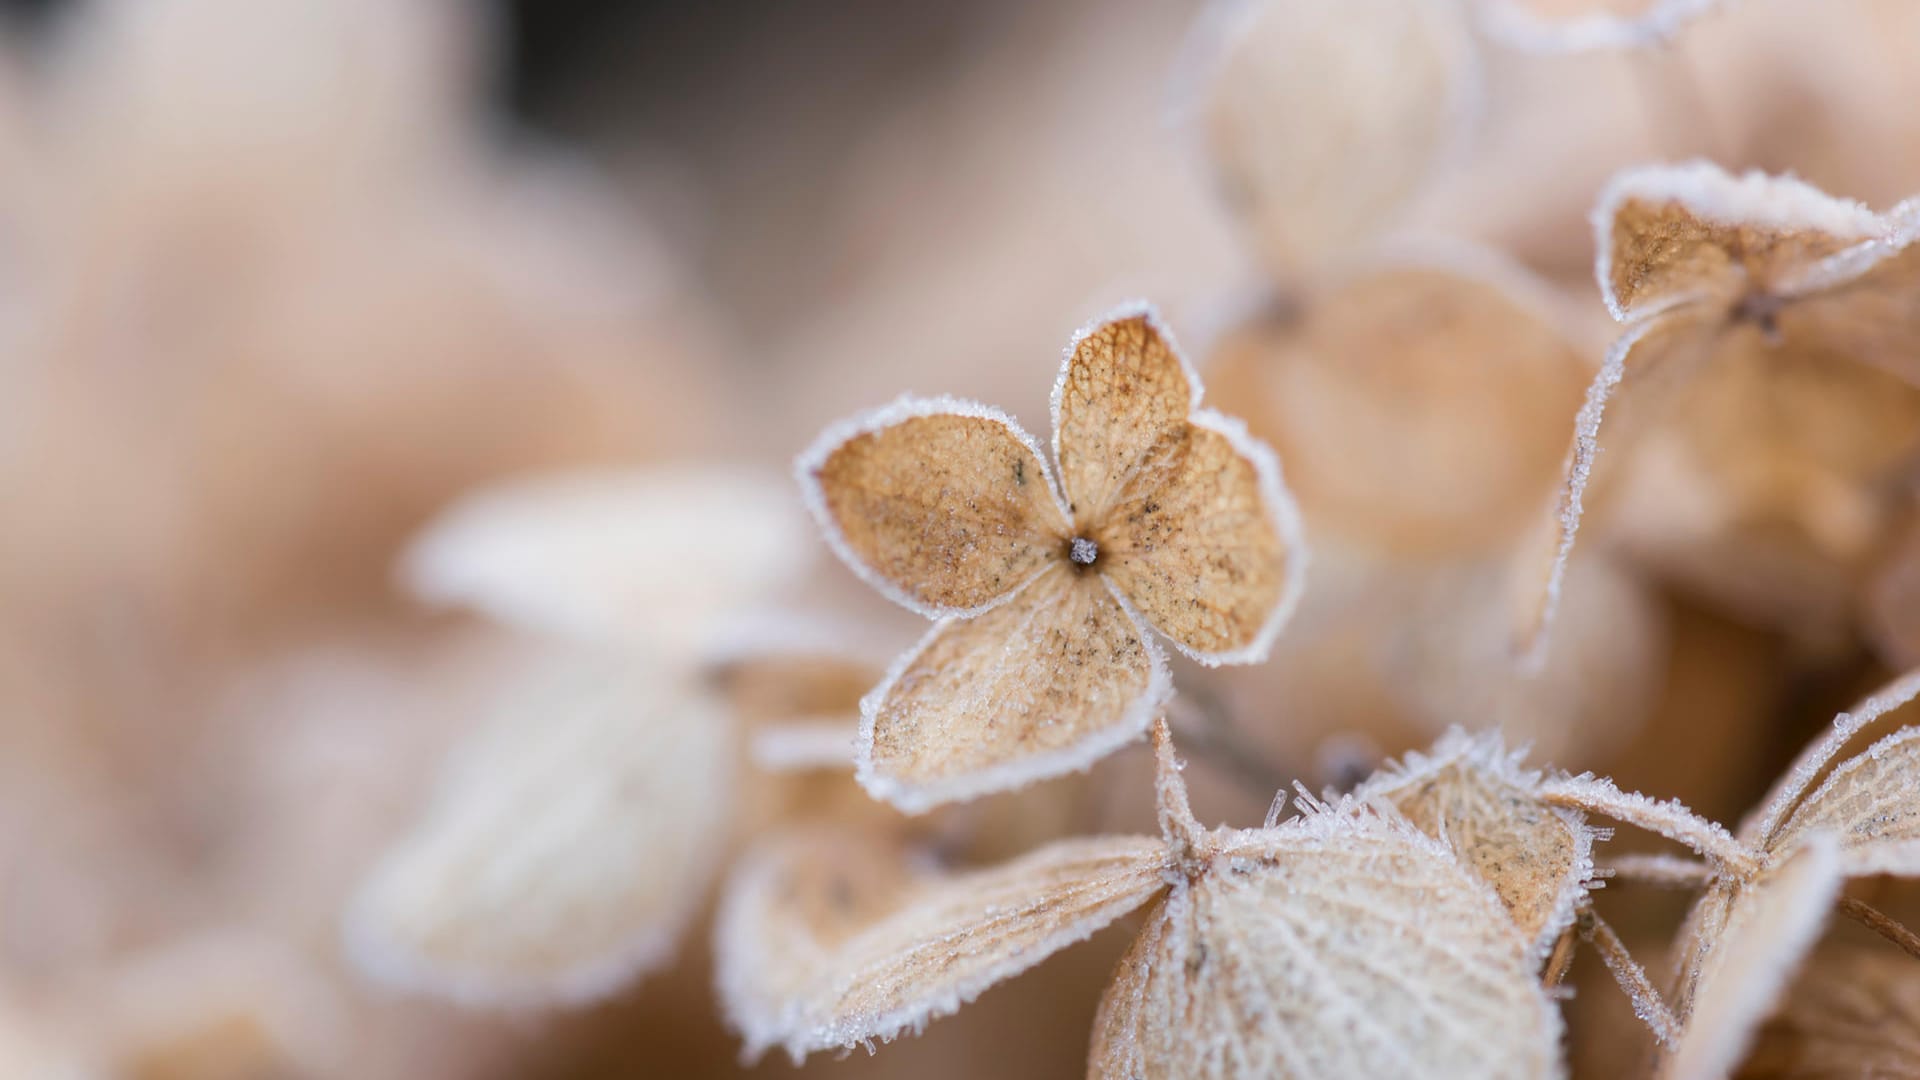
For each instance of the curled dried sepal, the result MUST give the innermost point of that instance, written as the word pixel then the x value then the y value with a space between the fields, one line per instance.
pixel 565 846
pixel 1671 819
pixel 1764 280
pixel 1852 1013
pixel 1469 791
pixel 1338 944
pixel 1746 941
pixel 1543 27
pixel 656 556
pixel 1166 515
pixel 824 944
pixel 1323 121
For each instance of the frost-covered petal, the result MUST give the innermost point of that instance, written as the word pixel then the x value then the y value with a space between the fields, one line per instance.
pixel 945 506
pixel 565 846
pixel 1420 404
pixel 826 940
pixel 1043 684
pixel 1187 515
pixel 657 556
pixel 1322 121
pixel 1868 801
pixel 1472 793
pixel 1122 398
pixel 1673 234
pixel 1744 943
pixel 1206 544
pixel 1333 946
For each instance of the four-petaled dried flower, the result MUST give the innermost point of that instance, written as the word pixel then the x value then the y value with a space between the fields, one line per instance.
pixel 1165 515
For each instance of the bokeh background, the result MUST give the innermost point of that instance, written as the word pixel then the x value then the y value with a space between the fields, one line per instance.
pixel 281 281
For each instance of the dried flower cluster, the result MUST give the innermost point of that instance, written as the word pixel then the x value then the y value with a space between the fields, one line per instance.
pixel 420 654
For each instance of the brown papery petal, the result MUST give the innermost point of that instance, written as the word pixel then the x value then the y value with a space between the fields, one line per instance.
pixel 1337 947
pixel 942 505
pixel 1853 1012
pixel 1418 407
pixel 1119 407
pixel 1043 684
pixel 799 970
pixel 1674 234
pixel 1471 792
pixel 1739 962
pixel 1322 121
pixel 1206 545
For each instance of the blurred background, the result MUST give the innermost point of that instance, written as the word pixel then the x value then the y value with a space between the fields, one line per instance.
pixel 287 790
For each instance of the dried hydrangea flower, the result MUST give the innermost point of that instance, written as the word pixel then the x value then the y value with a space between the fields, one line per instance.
pixel 1853 1012
pixel 1804 842
pixel 566 846
pixel 1166 515
pixel 1556 26
pixel 1339 943
pixel 1323 121
pixel 1789 312
pixel 654 557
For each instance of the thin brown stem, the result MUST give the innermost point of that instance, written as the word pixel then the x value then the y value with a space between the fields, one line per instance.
pixel 1559 960
pixel 1648 1005
pixel 1883 924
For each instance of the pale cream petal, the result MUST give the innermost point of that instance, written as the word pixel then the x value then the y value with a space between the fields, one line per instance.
pixel 1332 946
pixel 1673 234
pixel 824 944
pixel 944 506
pixel 1854 1012
pixel 1420 405
pixel 566 845
pixel 658 556
pixel 1741 961
pixel 1471 792
pixel 1322 121
pixel 1041 685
